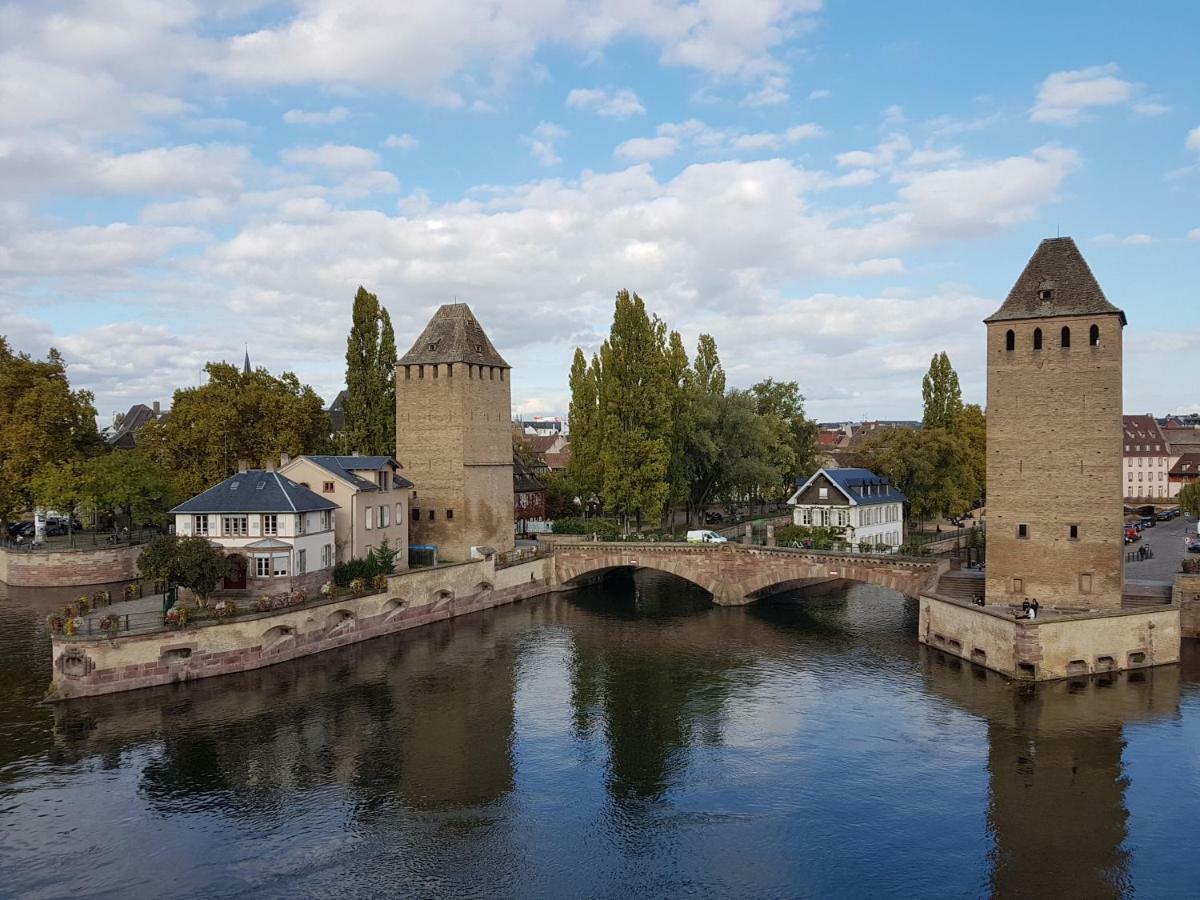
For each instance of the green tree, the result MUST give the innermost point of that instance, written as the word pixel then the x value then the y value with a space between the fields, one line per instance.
pixel 931 467
pixel 1189 499
pixel 42 422
pixel 679 386
pixel 585 465
pixel 972 427
pixel 370 379
pixel 234 416
pixel 158 560
pixel 133 482
pixel 385 556
pixel 59 486
pixel 190 562
pixel 562 492
pixel 943 398
pixel 793 434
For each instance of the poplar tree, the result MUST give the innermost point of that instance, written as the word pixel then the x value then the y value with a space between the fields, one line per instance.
pixel 942 395
pixel 370 379
pixel 584 465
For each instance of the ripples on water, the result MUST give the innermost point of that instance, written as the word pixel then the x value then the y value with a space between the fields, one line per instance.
pixel 628 740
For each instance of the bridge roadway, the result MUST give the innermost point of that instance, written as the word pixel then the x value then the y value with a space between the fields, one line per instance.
pixel 736 574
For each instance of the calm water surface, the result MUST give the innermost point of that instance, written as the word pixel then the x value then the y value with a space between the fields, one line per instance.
pixel 625 741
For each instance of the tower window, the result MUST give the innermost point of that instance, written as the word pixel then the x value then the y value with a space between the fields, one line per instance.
pixel 1066 337
pixel 1037 339
pixel 1023 531
pixel 431 515
pixel 1074 529
pixel 449 514
pixel 1094 336
pixel 416 515
pixel 1010 340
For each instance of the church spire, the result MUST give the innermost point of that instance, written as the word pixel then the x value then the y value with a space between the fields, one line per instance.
pixel 246 364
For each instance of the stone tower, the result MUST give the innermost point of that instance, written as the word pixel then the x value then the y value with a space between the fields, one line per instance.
pixel 1054 492
pixel 454 436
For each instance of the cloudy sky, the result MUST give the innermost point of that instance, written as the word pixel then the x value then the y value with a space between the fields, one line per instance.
pixel 835 190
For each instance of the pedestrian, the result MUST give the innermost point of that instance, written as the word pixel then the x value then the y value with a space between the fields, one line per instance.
pixel 1034 607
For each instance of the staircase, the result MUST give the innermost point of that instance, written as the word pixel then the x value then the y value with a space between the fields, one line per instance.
pixel 963 584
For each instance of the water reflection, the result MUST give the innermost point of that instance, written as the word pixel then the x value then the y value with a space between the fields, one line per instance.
pixel 626 739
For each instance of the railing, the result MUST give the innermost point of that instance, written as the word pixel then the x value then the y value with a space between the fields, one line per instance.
pixel 520 555
pixel 80 541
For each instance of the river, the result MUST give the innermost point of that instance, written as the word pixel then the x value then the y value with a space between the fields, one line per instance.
pixel 629 740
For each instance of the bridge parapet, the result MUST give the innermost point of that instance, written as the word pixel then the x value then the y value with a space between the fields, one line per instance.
pixel 735 574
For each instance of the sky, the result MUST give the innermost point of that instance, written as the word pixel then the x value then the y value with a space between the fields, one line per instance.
pixel 834 190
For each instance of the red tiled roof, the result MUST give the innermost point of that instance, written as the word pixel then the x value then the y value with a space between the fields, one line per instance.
pixel 1188 464
pixel 1143 437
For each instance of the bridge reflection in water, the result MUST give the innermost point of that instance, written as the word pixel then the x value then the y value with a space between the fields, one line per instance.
pixel 629 738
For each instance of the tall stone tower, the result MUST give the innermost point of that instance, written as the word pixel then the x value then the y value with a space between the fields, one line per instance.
pixel 454 436
pixel 1054 492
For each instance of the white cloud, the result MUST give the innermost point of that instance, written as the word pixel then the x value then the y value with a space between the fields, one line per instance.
pixel 331 156
pixel 89 248
pixel 316 117
pixel 805 132
pixel 819 94
pixel 542 143
pixel 403 141
pixel 772 92
pixel 647 148
pixel 1129 240
pixel 619 104
pixel 1193 139
pixel 884 154
pixel 1065 98
pixel 1151 108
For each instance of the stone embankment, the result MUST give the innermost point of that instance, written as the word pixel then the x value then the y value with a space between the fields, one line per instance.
pixel 86 667
pixel 68 568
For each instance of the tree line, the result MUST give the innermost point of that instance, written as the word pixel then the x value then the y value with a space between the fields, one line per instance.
pixel 653 431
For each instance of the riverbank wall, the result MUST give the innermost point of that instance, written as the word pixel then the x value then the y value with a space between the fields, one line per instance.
pixel 88 667
pixel 1056 645
pixel 68 568
pixel 1186 594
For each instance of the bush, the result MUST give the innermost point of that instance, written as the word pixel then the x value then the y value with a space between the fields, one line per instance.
pixel 358 586
pixel 346 572
pixel 605 529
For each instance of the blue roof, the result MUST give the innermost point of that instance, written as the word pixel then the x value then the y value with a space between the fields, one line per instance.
pixel 256 491
pixel 863 486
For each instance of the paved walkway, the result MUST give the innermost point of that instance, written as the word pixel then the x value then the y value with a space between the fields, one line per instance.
pixel 1167 540
pixel 136 615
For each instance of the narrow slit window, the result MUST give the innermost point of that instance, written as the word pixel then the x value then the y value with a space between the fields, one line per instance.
pixel 1037 339
pixel 1010 340
pixel 1066 338
pixel 1094 336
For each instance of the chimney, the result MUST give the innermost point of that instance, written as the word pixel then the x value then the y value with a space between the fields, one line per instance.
pixel 284 459
pixel 243 466
pixel 157 408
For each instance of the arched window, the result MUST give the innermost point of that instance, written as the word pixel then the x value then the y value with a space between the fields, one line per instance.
pixel 1066 337
pixel 1037 339
pixel 1094 336
pixel 1010 340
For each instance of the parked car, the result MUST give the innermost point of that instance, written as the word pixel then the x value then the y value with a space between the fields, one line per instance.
pixel 21 529
pixel 705 537
pixel 1194 547
pixel 56 528
pixel 1148 522
pixel 713 517
pixel 1131 534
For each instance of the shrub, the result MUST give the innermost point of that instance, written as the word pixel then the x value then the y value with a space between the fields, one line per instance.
pixel 176 617
pixel 346 572
pixel 83 604
pixel 55 623
pixel 133 591
pixel 327 589
pixel 605 529
pixel 379 582
pixel 263 604
pixel 358 585
pixel 816 538
pixel 100 598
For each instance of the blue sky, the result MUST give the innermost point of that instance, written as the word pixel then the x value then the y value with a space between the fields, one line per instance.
pixel 834 190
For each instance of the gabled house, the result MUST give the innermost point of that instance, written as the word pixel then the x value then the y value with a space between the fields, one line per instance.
pixel 277 533
pixel 124 436
pixel 1185 471
pixel 371 496
pixel 858 504
pixel 1147 459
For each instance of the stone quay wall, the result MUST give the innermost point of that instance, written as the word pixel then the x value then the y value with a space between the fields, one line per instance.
pixel 1050 647
pixel 68 568
pixel 1186 593
pixel 418 597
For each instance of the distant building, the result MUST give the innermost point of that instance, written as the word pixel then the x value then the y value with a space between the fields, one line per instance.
pixel 1186 470
pixel 864 508
pixel 372 499
pixel 337 413
pixel 529 495
pixel 277 534
pixel 543 425
pixel 1147 460
pixel 454 436
pixel 124 435
pixel 553 449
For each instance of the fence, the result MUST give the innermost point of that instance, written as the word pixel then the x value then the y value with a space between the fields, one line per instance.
pixel 80 540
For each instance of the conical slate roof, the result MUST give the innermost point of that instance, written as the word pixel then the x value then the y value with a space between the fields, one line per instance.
pixel 1056 282
pixel 453 335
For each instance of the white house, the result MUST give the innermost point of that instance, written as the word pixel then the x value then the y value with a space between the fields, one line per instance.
pixel 862 506
pixel 1147 461
pixel 278 534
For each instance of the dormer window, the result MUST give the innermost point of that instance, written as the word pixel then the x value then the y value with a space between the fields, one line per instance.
pixel 1046 295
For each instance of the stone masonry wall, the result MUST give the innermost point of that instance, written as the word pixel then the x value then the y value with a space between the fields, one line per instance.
pixel 1186 593
pixel 1054 459
pixel 68 568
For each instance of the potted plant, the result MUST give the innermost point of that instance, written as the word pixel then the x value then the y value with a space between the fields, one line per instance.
pixel 82 605
pixel 110 624
pixel 357 586
pixel 226 609
pixel 327 589
pixel 296 597
pixel 133 591
pixel 263 603
pixel 100 598
pixel 55 623
pixel 379 582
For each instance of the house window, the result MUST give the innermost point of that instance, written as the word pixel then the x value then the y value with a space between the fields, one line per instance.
pixel 449 514
pixel 301 562
pixel 279 564
pixel 262 566
pixel 416 515
pixel 1037 339
pixel 1010 340
pixel 1022 531
pixel 1066 337
pixel 384 515
pixel 381 479
pixel 326 556
pixel 234 526
pixel 370 517
pixel 823 493
pixel 327 487
pixel 199 524
pixel 326 520
pixel 271 524
pixel 399 513
pixel 1018 585
pixel 1074 532
pixel 1094 336
pixel 301 523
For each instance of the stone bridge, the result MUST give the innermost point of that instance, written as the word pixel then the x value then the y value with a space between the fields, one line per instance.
pixel 736 574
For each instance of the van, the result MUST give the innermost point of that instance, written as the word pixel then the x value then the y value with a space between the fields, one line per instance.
pixel 704 537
